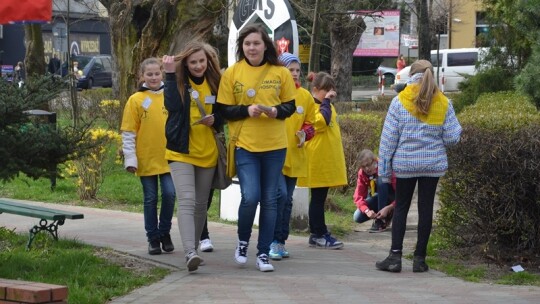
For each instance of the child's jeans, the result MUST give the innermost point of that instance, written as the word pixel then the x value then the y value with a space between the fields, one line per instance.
pixel 384 196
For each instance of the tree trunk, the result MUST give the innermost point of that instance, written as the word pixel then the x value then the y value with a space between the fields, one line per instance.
pixel 153 28
pixel 424 32
pixel 345 33
pixel 315 49
pixel 34 61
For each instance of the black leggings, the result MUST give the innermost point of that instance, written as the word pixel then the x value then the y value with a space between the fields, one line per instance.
pixel 317 224
pixel 205 234
pixel 426 195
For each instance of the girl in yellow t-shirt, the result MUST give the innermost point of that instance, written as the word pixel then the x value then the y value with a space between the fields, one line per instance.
pixel 192 77
pixel 143 139
pixel 256 94
pixel 299 130
pixel 326 160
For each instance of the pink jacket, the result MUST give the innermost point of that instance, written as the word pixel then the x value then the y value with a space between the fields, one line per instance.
pixel 362 188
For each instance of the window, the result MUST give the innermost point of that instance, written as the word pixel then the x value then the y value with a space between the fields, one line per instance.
pixel 106 64
pixel 434 60
pixel 461 59
pixel 98 66
pixel 482 30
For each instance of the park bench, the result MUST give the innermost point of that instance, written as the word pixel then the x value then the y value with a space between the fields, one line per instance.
pixel 45 215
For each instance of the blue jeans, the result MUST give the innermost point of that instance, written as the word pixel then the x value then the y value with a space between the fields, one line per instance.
pixel 258 174
pixel 155 230
pixel 384 196
pixel 284 208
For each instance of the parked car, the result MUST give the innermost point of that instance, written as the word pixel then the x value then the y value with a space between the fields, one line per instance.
pixel 453 63
pixel 94 71
pixel 389 74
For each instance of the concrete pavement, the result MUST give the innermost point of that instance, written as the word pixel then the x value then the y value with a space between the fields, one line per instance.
pixel 309 276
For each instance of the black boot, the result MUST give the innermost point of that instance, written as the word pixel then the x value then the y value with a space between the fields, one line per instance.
pixel 166 243
pixel 392 263
pixel 154 247
pixel 419 264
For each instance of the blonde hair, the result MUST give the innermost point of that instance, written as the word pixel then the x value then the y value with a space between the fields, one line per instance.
pixel 213 70
pixel 428 87
pixel 364 155
pixel 144 64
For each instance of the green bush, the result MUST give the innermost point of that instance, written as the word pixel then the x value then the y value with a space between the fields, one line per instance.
pixel 527 81
pixel 490 197
pixel 491 80
pixel 359 131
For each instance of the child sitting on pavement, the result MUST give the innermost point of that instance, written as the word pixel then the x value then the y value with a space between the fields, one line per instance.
pixel 374 199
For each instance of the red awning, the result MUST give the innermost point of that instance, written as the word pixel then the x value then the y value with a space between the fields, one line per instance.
pixel 25 11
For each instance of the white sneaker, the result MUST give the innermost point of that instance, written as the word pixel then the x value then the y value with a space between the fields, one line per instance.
pixel 206 245
pixel 240 254
pixel 263 263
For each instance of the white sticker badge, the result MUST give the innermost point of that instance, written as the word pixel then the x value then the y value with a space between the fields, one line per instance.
pixel 210 99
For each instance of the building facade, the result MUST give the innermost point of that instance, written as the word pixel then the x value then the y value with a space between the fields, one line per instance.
pixel 466 24
pixel 78 27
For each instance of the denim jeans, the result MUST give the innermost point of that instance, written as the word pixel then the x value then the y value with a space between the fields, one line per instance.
pixel 284 208
pixel 258 174
pixel 384 196
pixel 154 228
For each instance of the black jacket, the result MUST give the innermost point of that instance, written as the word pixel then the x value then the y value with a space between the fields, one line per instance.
pixel 177 125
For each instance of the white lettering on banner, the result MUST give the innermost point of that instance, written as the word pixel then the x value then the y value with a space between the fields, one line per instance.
pixel 89 46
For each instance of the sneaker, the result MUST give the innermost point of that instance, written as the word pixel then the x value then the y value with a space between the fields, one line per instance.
pixel 392 263
pixel 327 242
pixel 419 264
pixel 283 251
pixel 263 264
pixel 166 243
pixel 193 260
pixel 275 252
pixel 311 240
pixel 154 247
pixel 206 245
pixel 378 226
pixel 240 254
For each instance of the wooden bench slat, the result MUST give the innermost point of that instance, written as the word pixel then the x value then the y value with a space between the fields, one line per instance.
pixel 32 213
pixel 39 210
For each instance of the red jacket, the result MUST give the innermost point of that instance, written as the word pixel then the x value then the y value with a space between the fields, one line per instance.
pixel 362 188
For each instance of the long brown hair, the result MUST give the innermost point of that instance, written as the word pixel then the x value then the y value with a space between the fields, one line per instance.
pixel 213 70
pixel 428 87
pixel 270 54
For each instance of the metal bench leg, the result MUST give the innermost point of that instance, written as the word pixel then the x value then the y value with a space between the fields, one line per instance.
pixel 52 228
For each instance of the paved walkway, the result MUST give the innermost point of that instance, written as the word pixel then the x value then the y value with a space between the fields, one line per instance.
pixel 309 276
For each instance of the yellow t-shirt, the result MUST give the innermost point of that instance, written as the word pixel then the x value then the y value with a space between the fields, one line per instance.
pixel 145 115
pixel 296 162
pixel 271 85
pixel 202 144
pixel 325 154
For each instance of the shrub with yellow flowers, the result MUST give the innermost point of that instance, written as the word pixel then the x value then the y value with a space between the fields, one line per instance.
pixel 110 112
pixel 88 169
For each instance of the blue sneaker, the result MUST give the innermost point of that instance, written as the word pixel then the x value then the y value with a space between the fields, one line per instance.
pixel 283 251
pixel 327 242
pixel 275 251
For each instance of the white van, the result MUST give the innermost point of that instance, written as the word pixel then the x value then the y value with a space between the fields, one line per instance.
pixel 454 64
